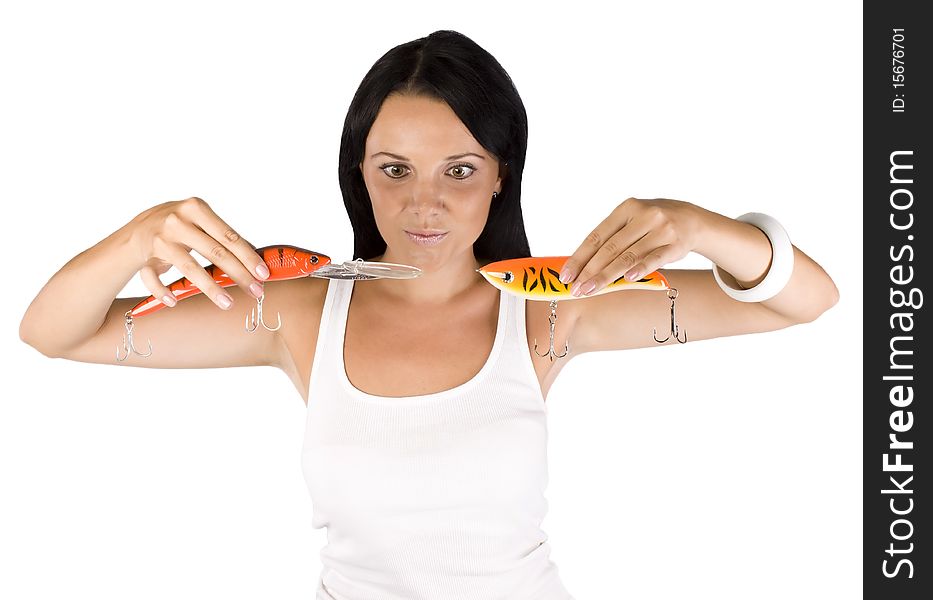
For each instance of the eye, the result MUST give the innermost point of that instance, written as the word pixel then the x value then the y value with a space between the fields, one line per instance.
pixel 393 171
pixel 460 169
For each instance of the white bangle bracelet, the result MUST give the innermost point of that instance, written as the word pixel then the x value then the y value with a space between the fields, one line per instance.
pixel 782 261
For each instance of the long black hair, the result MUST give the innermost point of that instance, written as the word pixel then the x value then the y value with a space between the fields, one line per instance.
pixel 451 67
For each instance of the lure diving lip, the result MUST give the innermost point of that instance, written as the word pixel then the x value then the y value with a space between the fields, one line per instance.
pixel 538 278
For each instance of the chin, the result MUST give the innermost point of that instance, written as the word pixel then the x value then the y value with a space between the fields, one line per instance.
pixel 426 259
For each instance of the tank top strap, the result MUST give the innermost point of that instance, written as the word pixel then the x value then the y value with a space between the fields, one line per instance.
pixel 326 332
pixel 519 344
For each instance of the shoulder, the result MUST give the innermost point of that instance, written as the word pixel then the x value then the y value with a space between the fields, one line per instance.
pixel 303 293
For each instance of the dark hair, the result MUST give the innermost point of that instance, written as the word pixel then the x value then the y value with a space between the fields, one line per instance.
pixel 451 67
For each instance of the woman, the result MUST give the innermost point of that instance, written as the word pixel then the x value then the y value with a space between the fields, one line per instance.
pixel 425 451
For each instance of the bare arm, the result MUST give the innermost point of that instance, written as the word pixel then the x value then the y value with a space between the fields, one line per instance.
pixel 74 303
pixel 743 254
pixel 639 236
pixel 76 316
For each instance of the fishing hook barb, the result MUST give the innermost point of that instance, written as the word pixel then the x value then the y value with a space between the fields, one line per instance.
pixel 552 319
pixel 675 329
pixel 253 321
pixel 128 345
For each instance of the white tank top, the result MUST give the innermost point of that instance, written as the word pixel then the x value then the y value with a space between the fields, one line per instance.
pixel 431 497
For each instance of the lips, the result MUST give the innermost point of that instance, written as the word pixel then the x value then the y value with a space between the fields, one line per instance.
pixel 426 240
pixel 426 232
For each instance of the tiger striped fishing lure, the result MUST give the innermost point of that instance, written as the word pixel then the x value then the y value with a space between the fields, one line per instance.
pixel 284 262
pixel 538 278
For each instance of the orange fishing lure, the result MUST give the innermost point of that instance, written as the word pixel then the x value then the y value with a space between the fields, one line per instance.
pixel 284 262
pixel 538 278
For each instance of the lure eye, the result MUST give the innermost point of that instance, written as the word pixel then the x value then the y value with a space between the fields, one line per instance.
pixel 314 260
pixel 508 277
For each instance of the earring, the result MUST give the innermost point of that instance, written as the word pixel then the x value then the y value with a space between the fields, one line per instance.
pixel 494 194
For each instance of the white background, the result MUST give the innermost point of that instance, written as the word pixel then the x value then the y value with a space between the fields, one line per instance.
pixel 726 469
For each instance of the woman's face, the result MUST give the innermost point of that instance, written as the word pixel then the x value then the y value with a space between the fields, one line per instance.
pixel 426 173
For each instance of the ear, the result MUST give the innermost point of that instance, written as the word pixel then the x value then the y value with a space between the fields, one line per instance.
pixel 503 171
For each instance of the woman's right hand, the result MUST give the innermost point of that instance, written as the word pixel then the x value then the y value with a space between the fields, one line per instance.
pixel 165 234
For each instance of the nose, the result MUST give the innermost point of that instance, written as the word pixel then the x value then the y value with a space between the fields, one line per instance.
pixel 426 198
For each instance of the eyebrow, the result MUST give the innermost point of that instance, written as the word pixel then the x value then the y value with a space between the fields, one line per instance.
pixel 455 156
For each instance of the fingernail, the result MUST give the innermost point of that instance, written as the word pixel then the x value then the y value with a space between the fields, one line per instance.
pixel 168 300
pixel 262 270
pixel 256 289
pixel 565 275
pixel 588 287
pixel 224 300
pixel 632 276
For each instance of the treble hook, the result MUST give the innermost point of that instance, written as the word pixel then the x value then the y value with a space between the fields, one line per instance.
pixel 552 319
pixel 672 294
pixel 251 319
pixel 128 345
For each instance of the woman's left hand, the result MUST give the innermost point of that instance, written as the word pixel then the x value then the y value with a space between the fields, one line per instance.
pixel 638 237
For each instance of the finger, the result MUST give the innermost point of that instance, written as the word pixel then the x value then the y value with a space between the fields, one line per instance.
pixel 155 286
pixel 613 258
pixel 653 261
pixel 158 265
pixel 230 241
pixel 629 258
pixel 219 254
pixel 654 251
pixel 196 239
pixel 573 267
